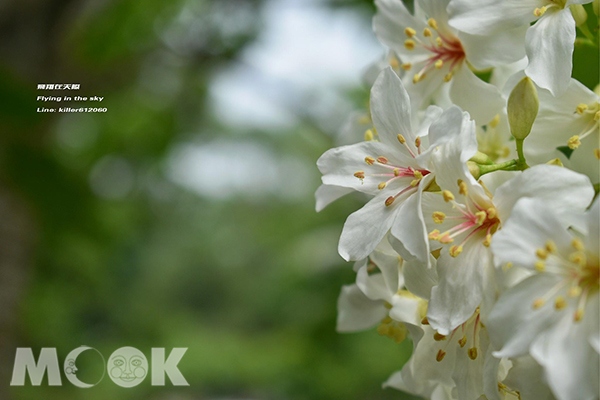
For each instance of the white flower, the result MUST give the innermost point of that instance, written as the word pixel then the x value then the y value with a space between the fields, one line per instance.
pixel 463 220
pixel 437 53
pixel 379 298
pixel 394 169
pixel 549 42
pixel 570 120
pixel 554 314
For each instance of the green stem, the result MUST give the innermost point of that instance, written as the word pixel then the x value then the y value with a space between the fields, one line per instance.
pixel 505 166
pixel 522 164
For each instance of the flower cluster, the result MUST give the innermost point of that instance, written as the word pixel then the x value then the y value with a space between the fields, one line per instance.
pixel 480 237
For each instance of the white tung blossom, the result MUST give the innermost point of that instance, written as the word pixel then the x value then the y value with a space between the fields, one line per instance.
pixel 554 314
pixel 395 170
pixel 438 54
pixel 549 42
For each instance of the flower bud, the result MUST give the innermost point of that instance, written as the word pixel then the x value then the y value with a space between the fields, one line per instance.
pixel 474 169
pixel 579 14
pixel 523 105
pixel 481 158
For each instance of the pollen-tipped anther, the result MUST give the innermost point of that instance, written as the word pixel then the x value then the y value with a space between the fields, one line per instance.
pixel 389 201
pixel 438 337
pixel 406 66
pixel 455 250
pixel 581 108
pixel 432 23
pixel 440 355
pixel 427 32
pixel 560 303
pixel 574 142
pixel 538 303
pixel 381 186
pixel 480 217
pixel 462 341
pixel 409 44
pixel 445 238
pixel 539 266
pixel 538 12
pixel 401 138
pixel 541 254
pixel 370 160
pixel 368 135
pixel 578 316
pixel 462 188
pixel 360 174
pixel 448 77
pixel 439 64
pixel 488 240
pixel 448 196
pixel 473 353
pixel 410 32
pixel 438 217
pixel 382 160
pixel 434 235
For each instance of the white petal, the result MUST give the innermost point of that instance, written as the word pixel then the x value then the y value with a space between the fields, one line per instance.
pixel 570 362
pixel 356 311
pixel 549 46
pixel 419 279
pixel 436 9
pixel 390 109
pixel 513 323
pixel 558 187
pixel 529 227
pixel 409 227
pixel 482 17
pixel 504 47
pixel 463 282
pixel 429 116
pixel 405 308
pixel 365 228
pixel 339 164
pixel 327 194
pixel 482 100
pixel 490 375
pixel 389 23
pixel 468 373
pixel 373 285
pixel 593 228
pixel 389 265
pixel 501 74
pixel 527 376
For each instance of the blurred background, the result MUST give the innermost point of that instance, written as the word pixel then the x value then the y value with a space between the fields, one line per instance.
pixel 184 216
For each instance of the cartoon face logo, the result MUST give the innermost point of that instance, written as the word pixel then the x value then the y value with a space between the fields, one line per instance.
pixel 127 367
pixel 71 369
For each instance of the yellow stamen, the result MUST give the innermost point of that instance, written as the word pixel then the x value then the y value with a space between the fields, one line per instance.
pixel 448 77
pixel 396 172
pixel 538 303
pixel 481 216
pixel 434 235
pixel 425 321
pixel 577 244
pixel 410 32
pixel 455 250
pixel 438 337
pixel 462 341
pixel 401 139
pixel 473 353
pixel 394 63
pixel 382 160
pixel 578 315
pixel 360 174
pixel 427 32
pixel 370 160
pixel 416 78
pixel 381 186
pixel 439 64
pixel 418 175
pixel 438 217
pixel 409 44
pixel 539 266
pixel 494 123
pixel 418 141
pixel 597 153
pixel 491 212
pixel 574 142
pixel 432 23
pixel 488 240
pixel 440 355
pixel 448 196
pixel 438 41
pixel 389 201
pixel 387 320
pixel 538 12
pixel 560 303
pixel 581 108
pixel 415 182
pixel 383 329
pixel 541 253
pixel 551 247
pixel 368 135
pixel 406 66
pixel 578 258
pixel 462 188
